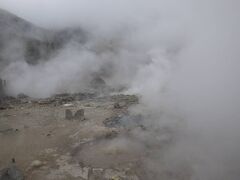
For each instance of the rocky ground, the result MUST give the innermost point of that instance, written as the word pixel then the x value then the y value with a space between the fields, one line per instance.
pixel 84 136
pixel 68 137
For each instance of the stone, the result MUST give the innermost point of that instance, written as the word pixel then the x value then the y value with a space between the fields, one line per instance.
pixel 116 105
pixel 79 115
pixel 11 173
pixel 84 173
pixel 36 164
pixel 68 114
pixel 119 105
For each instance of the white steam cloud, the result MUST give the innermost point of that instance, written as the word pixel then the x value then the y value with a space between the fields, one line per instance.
pixel 181 57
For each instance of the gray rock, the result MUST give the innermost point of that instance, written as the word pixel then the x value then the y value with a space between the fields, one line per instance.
pixel 116 105
pixel 68 114
pixel 79 115
pixel 11 173
pixel 36 164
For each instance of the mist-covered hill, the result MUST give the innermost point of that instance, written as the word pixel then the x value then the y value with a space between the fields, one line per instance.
pixel 22 40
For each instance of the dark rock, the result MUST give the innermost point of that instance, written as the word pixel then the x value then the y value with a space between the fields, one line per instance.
pixel 11 173
pixel 111 135
pixel 116 106
pixel 119 105
pixel 68 114
pixel 79 115
pixel 3 107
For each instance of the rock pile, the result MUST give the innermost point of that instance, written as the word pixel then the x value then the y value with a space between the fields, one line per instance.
pixel 65 98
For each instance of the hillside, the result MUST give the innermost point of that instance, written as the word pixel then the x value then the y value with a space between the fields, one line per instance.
pixel 22 40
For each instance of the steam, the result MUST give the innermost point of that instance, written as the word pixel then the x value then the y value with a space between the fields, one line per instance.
pixel 182 58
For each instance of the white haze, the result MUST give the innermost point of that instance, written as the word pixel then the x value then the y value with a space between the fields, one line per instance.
pixel 180 56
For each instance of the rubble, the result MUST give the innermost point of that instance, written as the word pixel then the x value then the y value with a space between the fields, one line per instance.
pixel 65 99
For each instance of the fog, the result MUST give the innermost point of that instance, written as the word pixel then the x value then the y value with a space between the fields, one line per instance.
pixel 180 57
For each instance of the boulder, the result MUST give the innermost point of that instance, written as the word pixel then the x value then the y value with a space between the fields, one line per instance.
pixel 68 114
pixel 79 115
